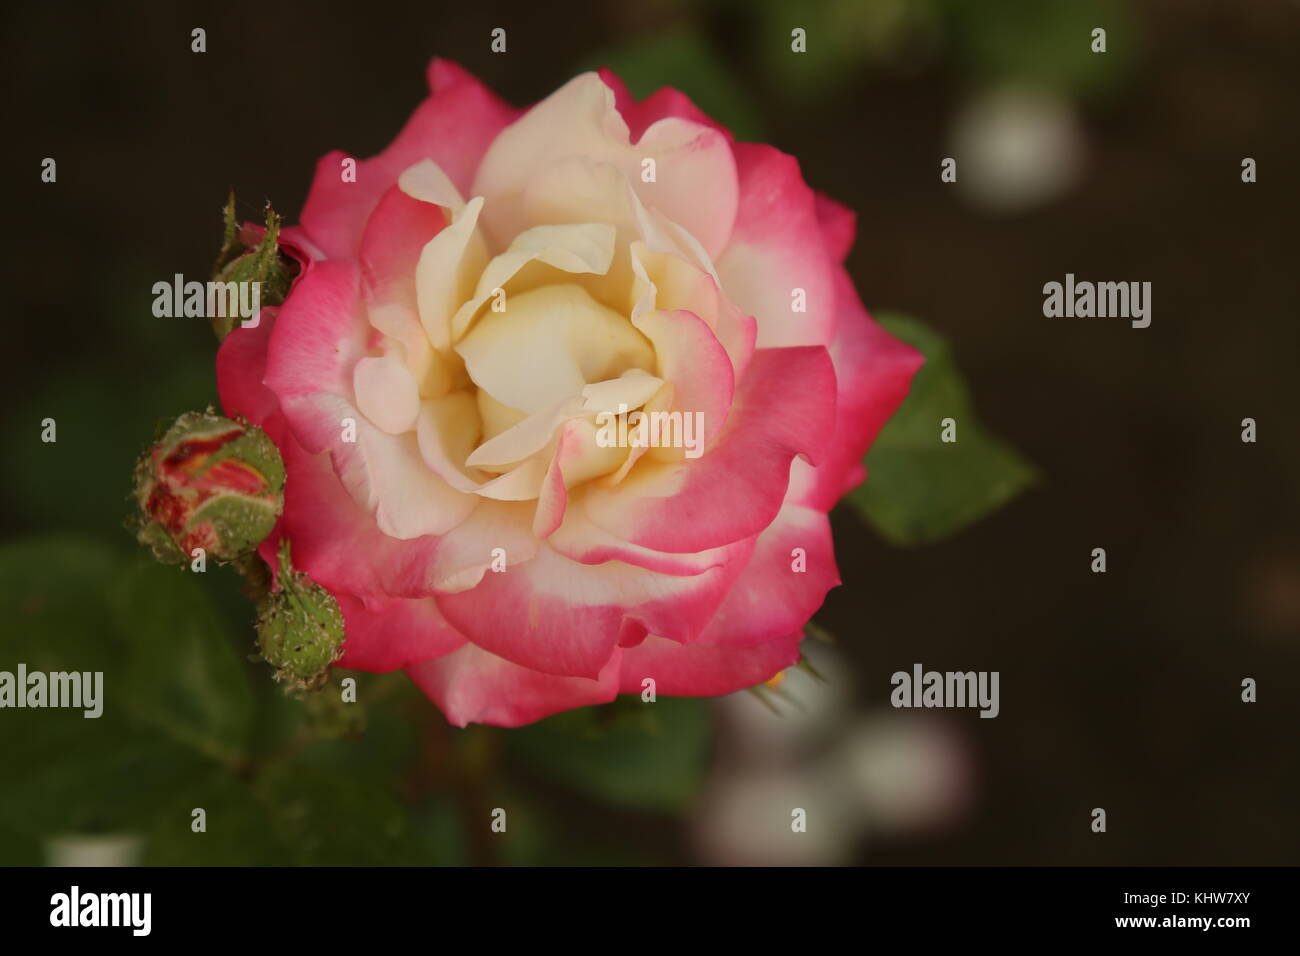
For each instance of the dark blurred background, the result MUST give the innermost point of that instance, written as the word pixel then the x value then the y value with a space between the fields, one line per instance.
pixel 1119 690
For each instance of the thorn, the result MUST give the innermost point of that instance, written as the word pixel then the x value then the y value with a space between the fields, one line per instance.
pixel 763 699
pixel 805 664
pixel 789 698
pixel 819 633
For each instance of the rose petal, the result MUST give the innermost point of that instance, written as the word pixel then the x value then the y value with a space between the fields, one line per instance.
pixel 547 345
pixel 704 670
pixel 662 103
pixel 874 372
pixel 318 337
pixel 784 406
pixel 581 248
pixel 453 127
pixel 554 615
pixel 776 248
pixel 386 393
pixel 695 175
pixel 471 685
pixel 771 598
pixel 387 634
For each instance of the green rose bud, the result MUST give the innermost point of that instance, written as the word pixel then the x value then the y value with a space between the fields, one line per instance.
pixel 247 256
pixel 299 628
pixel 210 483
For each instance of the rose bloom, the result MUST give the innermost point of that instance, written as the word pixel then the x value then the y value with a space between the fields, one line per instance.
pixel 472 306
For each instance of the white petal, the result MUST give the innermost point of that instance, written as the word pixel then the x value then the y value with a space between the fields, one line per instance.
pixel 574 247
pixel 445 275
pixel 548 344
pixel 387 393
pixel 448 430
pixel 427 182
pixel 695 181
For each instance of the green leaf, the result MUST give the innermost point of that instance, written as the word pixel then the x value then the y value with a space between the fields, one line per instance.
pixel 641 755
pixel 840 35
pixel 104 778
pixel 920 489
pixel 65 772
pixel 438 836
pixel 81 483
pixel 307 800
pixel 53 603
pixel 329 818
pixel 239 824
pixel 1044 45
pixel 182 675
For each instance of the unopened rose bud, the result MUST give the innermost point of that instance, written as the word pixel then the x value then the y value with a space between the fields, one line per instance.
pixel 299 628
pixel 210 483
pixel 251 255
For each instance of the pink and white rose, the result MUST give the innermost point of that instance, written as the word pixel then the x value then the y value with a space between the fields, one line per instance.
pixel 489 289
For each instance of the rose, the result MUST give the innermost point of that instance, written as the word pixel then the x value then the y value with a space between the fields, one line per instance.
pixel 472 305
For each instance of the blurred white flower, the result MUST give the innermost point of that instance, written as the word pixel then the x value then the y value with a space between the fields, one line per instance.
pixel 851 774
pixel 747 819
pixel 1016 148
pixel 113 849
pixel 905 771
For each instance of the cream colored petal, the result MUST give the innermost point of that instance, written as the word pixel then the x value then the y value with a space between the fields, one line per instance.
pixel 386 392
pixel 576 248
pixel 450 264
pixel 664 281
pixel 579 189
pixel 496 417
pixel 630 390
pixel 520 484
pixel 548 344
pixel 447 431
pixel 661 234
pixel 695 182
pixel 526 438
pixel 427 182
pixel 586 458
pixel 400 322
pixel 661 402
pixel 386 473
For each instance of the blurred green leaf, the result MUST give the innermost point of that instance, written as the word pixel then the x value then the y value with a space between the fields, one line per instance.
pixel 65 772
pixel 239 827
pixel 1038 43
pixel 182 674
pixel 438 834
pixel 920 489
pixel 330 818
pixel 1042 44
pixel 100 779
pixel 296 811
pixel 647 756
pixel 682 60
pixel 176 734
pixel 54 602
pixel 840 36
pixel 81 483
pixel 19 845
